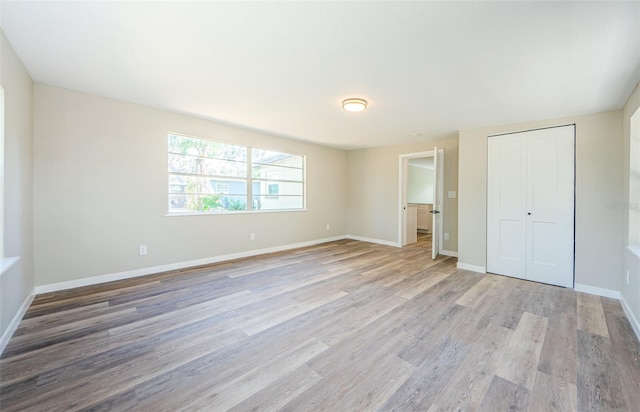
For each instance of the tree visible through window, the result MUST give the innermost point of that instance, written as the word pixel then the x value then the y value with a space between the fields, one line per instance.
pixel 209 177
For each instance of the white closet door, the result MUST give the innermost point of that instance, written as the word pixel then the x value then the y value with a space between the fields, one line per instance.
pixel 530 205
pixel 550 205
pixel 506 201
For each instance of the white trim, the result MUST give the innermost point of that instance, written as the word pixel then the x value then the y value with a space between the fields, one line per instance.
pixel 449 253
pixel 234 212
pixel 15 322
pixel 632 319
pixel 593 290
pixel 94 280
pixel 7 262
pixel 532 130
pixel 371 240
pixel 473 268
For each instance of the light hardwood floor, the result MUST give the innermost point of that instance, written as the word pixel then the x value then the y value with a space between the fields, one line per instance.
pixel 342 326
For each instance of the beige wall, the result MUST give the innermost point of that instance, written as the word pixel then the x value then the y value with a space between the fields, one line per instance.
pixel 101 190
pixel 17 283
pixel 630 292
pixel 373 204
pixel 599 189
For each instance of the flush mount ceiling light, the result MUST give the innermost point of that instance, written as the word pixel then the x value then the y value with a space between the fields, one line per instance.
pixel 354 105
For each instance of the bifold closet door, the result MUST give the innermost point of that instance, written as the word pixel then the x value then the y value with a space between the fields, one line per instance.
pixel 506 204
pixel 530 205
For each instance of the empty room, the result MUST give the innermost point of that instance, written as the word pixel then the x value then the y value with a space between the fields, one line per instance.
pixel 319 206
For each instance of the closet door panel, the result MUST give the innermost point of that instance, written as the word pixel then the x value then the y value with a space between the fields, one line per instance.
pixel 506 199
pixel 550 205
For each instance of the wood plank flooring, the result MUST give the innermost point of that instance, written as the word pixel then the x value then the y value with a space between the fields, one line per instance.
pixel 341 326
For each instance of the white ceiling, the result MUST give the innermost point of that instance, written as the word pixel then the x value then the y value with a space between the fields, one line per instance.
pixel 426 68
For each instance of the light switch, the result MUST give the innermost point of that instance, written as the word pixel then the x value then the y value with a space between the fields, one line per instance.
pixel 452 194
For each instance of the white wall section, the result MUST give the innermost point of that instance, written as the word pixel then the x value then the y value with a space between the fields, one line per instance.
pixel 373 197
pixel 630 291
pixel 599 191
pixel 101 190
pixel 16 283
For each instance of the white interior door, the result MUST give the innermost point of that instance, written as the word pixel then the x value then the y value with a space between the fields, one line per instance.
pixel 436 231
pixel 530 205
pixel 550 205
pixel 404 175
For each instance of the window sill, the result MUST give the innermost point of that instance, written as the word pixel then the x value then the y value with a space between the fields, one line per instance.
pixel 7 262
pixel 242 212
pixel 634 250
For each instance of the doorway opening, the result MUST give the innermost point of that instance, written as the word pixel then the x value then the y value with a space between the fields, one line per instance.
pixel 420 207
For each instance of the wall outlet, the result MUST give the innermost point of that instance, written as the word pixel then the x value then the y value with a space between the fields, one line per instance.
pixel 143 250
pixel 627 276
pixel 252 236
pixel 446 236
pixel 328 226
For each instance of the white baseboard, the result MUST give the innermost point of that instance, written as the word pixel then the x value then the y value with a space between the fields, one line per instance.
pixel 473 268
pixel 371 240
pixel 632 318
pixel 13 325
pixel 452 253
pixel 592 290
pixel 94 280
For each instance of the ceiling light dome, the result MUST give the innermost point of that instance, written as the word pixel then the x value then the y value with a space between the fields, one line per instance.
pixel 354 104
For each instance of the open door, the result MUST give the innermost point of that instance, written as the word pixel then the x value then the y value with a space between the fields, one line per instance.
pixel 404 172
pixel 436 231
pixel 437 234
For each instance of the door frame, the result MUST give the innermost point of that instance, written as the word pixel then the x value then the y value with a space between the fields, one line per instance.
pixel 403 176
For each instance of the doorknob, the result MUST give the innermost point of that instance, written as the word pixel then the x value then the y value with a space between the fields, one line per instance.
pixel 435 212
pixel 529 213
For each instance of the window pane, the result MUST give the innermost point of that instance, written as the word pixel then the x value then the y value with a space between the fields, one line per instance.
pixel 268 202
pixel 206 148
pixel 275 158
pixel 206 185
pixel 276 173
pixel 281 188
pixel 231 203
pixel 203 166
pixel 634 180
pixel 185 203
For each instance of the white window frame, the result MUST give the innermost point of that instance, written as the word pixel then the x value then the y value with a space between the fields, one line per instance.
pixel 5 262
pixel 249 179
pixel 633 241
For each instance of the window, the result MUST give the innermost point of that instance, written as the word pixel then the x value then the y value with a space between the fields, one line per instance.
pixel 1 173
pixel 5 262
pixel 214 177
pixel 634 182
